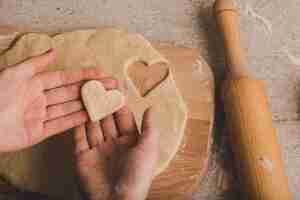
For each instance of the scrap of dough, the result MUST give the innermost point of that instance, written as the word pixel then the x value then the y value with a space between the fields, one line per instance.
pixel 100 103
pixel 112 51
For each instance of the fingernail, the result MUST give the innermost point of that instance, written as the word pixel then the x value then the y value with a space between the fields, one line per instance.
pixel 153 108
pixel 49 51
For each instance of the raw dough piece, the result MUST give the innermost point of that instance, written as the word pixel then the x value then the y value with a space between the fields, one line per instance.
pixel 99 102
pixel 113 51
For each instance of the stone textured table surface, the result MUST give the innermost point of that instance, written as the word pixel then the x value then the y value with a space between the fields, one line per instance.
pixel 270 31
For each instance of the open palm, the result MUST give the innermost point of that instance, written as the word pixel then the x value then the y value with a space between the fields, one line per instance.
pixel 113 160
pixel 36 104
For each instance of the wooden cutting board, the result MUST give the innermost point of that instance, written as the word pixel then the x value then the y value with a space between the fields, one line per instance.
pixel 195 81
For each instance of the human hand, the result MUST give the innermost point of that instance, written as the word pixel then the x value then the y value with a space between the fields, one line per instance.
pixel 114 161
pixel 36 104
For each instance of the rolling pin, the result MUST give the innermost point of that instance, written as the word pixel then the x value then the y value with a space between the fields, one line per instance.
pixel 249 122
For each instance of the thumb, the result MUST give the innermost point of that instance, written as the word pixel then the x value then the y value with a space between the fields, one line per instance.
pixel 36 64
pixel 150 134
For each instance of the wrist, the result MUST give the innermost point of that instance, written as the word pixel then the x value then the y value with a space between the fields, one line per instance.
pixel 126 193
pixel 119 197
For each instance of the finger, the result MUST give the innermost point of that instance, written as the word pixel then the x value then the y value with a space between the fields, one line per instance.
pixel 94 135
pixel 72 92
pixel 149 135
pixel 63 94
pixel 37 64
pixel 81 143
pixel 61 78
pixel 125 122
pixel 62 124
pixel 63 109
pixel 124 117
pixel 109 128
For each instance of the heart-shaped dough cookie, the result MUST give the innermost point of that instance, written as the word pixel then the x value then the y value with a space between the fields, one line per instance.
pixel 99 102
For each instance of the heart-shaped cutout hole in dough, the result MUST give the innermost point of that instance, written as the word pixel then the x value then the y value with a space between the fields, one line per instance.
pixel 98 102
pixel 146 78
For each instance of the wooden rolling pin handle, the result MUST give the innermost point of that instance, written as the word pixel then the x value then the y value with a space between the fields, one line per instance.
pixel 252 136
pixel 228 23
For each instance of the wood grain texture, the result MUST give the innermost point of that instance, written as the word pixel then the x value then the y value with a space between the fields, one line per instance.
pixel 253 139
pixel 190 164
pixel 195 81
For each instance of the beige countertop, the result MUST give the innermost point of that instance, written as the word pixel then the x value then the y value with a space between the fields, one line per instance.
pixel 270 31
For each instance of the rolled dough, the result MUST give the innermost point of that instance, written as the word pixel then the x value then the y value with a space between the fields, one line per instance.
pixel 113 51
pixel 98 102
